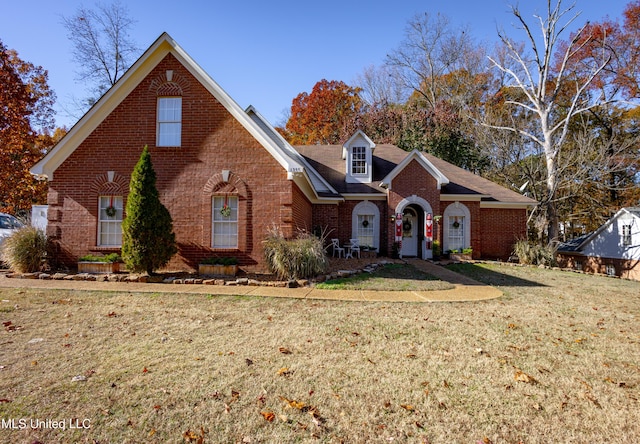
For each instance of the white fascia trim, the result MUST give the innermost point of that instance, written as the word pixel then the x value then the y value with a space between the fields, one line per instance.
pixel 602 227
pixel 364 196
pixel 463 197
pixel 127 83
pixel 102 108
pixel 441 179
pixel 507 205
pixel 370 142
pixel 234 109
pixel 306 166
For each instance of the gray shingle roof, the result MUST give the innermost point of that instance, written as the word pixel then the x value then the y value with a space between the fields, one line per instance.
pixel 327 161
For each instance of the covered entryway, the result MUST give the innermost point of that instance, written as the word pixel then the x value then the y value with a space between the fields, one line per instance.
pixel 414 211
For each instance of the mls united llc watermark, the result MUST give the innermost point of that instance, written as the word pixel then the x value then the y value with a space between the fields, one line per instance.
pixel 44 424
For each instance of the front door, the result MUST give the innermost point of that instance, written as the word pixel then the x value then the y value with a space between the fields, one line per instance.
pixel 409 232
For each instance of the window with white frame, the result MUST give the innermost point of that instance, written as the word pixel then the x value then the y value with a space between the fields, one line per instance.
pixel 110 217
pixel 456 227
pixel 169 121
pixel 366 230
pixel 225 222
pixel 456 233
pixel 365 224
pixel 359 160
pixel 626 235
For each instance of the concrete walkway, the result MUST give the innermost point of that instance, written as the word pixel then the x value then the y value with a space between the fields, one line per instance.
pixel 466 289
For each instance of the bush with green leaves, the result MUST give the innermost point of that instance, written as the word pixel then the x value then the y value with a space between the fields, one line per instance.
pixel 534 254
pixel 299 258
pixel 25 251
pixel 148 241
pixel 219 261
pixel 107 259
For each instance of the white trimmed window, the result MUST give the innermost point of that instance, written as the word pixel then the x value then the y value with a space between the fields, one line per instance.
pixel 359 160
pixel 626 235
pixel 169 121
pixel 366 230
pixel 365 224
pixel 456 233
pixel 110 216
pixel 456 230
pixel 224 233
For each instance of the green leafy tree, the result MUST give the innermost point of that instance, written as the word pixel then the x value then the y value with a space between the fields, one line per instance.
pixel 148 241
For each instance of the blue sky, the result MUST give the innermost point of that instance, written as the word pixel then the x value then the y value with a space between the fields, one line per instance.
pixel 264 53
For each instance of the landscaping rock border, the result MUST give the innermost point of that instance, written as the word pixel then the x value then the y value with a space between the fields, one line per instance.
pixel 183 279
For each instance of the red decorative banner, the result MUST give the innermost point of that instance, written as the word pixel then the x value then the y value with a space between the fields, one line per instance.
pixel 399 227
pixel 428 230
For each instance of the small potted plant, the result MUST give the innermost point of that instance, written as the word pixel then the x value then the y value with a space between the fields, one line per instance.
pixel 436 250
pixel 91 263
pixel 218 266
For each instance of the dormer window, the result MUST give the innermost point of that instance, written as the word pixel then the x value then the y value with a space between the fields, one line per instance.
pixel 358 154
pixel 359 160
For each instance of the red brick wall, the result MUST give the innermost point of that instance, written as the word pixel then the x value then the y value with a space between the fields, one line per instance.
pixel 414 179
pixel 302 211
pixel 499 230
pixel 625 268
pixel 212 141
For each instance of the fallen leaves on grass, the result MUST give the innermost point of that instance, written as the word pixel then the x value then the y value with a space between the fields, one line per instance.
pixel 521 376
pixel 285 351
pixel 10 326
pixel 408 407
pixel 293 403
pixel 284 371
pixel 190 436
pixel 268 415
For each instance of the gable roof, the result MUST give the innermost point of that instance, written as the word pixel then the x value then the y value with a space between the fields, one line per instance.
pixel 456 182
pixel 416 155
pixel 321 187
pixel 163 46
pixel 578 244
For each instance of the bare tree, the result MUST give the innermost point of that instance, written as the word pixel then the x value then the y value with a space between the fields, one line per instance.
pixel 433 53
pixel 381 86
pixel 549 92
pixel 102 47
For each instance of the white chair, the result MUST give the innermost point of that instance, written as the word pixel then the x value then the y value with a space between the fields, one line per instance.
pixel 355 247
pixel 337 248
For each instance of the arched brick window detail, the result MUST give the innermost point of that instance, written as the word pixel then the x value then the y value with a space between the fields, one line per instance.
pixel 169 83
pixel 218 192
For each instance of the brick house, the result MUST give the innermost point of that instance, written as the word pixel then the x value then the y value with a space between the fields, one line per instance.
pixel 210 154
pixel 612 249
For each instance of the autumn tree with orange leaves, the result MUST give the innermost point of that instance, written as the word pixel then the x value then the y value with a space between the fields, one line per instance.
pixel 26 117
pixel 319 116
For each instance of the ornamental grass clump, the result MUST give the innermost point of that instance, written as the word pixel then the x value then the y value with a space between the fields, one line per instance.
pixel 534 254
pixel 25 250
pixel 299 258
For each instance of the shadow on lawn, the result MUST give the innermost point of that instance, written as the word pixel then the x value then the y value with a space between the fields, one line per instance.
pixel 491 277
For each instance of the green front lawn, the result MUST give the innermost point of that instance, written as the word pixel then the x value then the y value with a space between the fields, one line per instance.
pixel 390 277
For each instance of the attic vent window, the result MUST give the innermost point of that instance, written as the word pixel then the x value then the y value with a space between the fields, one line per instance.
pixel 359 160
